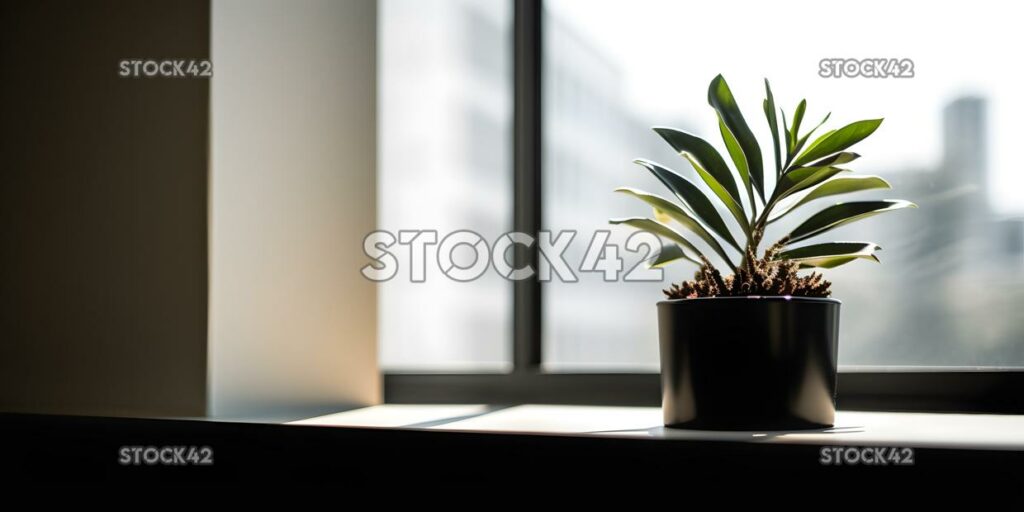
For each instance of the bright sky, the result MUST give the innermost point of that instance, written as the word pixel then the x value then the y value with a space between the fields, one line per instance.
pixel 669 50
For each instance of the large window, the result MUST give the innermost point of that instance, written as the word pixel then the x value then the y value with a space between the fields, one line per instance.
pixel 951 281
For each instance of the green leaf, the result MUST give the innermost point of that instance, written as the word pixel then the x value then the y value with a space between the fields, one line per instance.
pixel 731 203
pixel 836 186
pixel 722 100
pixel 660 229
pixel 831 254
pixel 798 144
pixel 839 140
pixel 773 124
pixel 817 141
pixel 789 139
pixel 709 158
pixel 802 178
pixel 836 159
pixel 841 214
pixel 693 197
pixel 661 216
pixel 679 215
pixel 798 118
pixel 735 153
pixel 668 254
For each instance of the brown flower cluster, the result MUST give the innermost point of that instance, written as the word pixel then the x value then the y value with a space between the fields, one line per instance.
pixel 766 276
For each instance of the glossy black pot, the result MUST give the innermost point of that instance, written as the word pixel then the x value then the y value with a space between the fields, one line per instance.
pixel 749 363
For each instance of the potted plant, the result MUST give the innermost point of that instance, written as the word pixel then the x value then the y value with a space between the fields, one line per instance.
pixel 755 349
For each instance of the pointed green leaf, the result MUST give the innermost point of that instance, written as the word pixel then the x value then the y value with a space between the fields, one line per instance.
pixel 833 262
pixel 693 197
pixel 836 159
pixel 845 185
pixel 817 141
pixel 662 230
pixel 668 254
pixel 773 124
pixel 798 144
pixel 831 254
pixel 798 119
pixel 677 214
pixel 789 139
pixel 841 214
pixel 802 178
pixel 837 186
pixel 839 140
pixel 709 158
pixel 731 203
pixel 722 100
pixel 735 153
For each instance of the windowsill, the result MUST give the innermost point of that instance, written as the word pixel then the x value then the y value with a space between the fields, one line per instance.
pixel 853 428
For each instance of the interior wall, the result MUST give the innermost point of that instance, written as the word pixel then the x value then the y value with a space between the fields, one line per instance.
pixel 293 157
pixel 103 283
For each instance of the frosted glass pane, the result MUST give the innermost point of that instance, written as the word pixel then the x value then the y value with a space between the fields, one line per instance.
pixel 445 120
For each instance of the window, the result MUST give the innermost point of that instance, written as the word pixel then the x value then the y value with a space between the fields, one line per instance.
pixel 445 120
pixel 952 275
pixel 952 272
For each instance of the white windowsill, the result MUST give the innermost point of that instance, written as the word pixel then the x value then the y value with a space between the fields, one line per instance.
pixel 853 428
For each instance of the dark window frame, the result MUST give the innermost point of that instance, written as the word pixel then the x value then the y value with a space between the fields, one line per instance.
pixel 945 389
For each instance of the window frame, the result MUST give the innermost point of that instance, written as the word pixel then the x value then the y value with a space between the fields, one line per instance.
pixel 919 389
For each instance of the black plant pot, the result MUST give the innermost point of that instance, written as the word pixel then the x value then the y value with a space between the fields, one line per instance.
pixel 749 363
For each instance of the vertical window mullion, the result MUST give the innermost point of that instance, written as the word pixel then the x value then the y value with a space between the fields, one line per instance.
pixel 527 180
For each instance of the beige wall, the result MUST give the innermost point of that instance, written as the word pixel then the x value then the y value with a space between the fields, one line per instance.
pixel 134 283
pixel 102 210
pixel 292 323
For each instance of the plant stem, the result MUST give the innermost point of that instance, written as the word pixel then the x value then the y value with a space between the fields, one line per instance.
pixel 758 226
pixel 753 204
